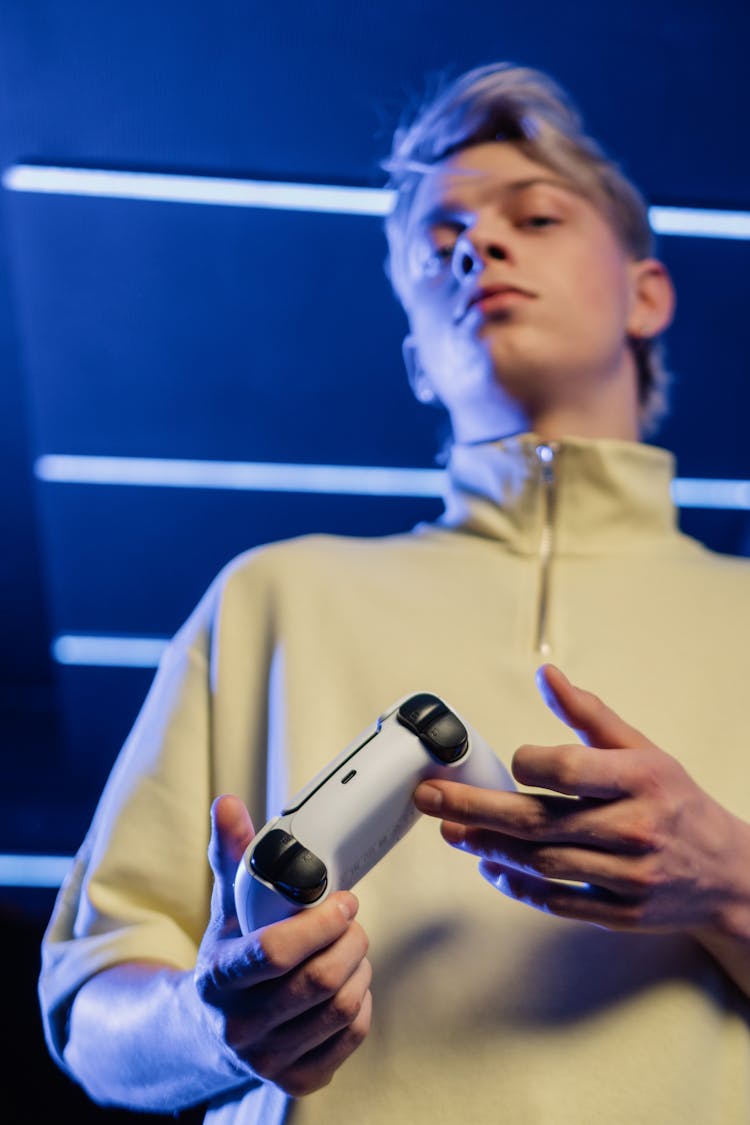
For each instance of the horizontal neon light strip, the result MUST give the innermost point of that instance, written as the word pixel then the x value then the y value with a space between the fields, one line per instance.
pixel 103 184
pixel 699 223
pixel 82 650
pixel 33 870
pixel 688 492
pixel 251 476
pixel 108 652
pixel 245 475
pixel 197 189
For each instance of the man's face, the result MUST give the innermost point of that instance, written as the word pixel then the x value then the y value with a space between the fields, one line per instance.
pixel 519 292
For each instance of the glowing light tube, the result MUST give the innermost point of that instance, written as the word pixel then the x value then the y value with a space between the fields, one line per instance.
pixel 108 652
pixel 215 190
pixel 158 472
pixel 732 495
pixel 33 870
pixel 223 192
pixel 244 475
pixel 697 223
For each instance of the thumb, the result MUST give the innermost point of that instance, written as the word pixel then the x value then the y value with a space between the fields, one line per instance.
pixel 231 832
pixel 594 722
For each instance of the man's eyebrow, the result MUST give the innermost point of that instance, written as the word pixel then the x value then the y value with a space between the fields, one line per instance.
pixel 550 181
pixel 441 213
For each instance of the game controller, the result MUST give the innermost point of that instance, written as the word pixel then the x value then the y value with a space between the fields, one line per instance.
pixel 344 821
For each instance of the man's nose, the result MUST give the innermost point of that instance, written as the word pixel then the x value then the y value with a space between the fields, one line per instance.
pixel 472 252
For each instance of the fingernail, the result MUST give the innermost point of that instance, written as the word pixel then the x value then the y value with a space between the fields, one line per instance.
pixel 348 906
pixel 454 834
pixel 542 686
pixel 428 798
pixel 547 692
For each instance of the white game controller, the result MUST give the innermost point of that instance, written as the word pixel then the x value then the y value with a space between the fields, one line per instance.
pixel 335 829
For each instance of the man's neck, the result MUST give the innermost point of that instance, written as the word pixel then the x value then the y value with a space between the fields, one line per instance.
pixel 608 409
pixel 554 425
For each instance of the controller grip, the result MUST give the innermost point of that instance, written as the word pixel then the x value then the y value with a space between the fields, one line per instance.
pixel 481 767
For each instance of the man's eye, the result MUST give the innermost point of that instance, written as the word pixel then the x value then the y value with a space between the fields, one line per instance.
pixel 536 222
pixel 438 258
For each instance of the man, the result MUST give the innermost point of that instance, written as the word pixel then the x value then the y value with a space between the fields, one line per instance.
pixel 523 260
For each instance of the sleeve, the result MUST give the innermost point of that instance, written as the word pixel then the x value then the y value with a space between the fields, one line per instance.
pixel 139 888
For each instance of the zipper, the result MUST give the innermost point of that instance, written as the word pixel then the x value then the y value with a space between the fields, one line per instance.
pixel 546 454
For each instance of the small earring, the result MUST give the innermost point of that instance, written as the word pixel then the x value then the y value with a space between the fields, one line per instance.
pixel 423 390
pixel 419 380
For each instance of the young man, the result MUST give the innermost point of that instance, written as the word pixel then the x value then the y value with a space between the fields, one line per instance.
pixel 523 260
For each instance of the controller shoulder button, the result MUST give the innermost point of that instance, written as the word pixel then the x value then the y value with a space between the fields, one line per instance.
pixel 295 871
pixel 440 731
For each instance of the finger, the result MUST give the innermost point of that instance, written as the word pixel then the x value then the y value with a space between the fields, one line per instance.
pixel 316 1069
pixel 276 950
pixel 288 1041
pixel 515 814
pixel 605 827
pixel 231 832
pixel 578 771
pixel 624 875
pixel 582 903
pixel 316 981
pixel 595 722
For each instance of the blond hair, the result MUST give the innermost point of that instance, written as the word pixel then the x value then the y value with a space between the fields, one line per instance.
pixel 526 108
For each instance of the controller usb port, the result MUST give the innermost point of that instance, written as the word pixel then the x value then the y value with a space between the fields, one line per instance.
pixel 349 776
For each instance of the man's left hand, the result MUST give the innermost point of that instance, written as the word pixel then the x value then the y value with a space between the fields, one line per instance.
pixel 625 839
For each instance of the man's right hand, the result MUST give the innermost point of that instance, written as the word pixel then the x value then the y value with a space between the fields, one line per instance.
pixel 289 1002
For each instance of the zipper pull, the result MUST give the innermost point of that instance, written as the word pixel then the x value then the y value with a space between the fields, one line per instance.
pixel 545 454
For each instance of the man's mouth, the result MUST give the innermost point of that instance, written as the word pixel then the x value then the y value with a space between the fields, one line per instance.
pixel 494 298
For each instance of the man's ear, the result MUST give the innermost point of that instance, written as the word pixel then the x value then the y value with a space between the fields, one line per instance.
pixel 419 380
pixel 653 299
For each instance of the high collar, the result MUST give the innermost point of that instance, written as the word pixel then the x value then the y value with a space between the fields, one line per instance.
pixel 604 496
